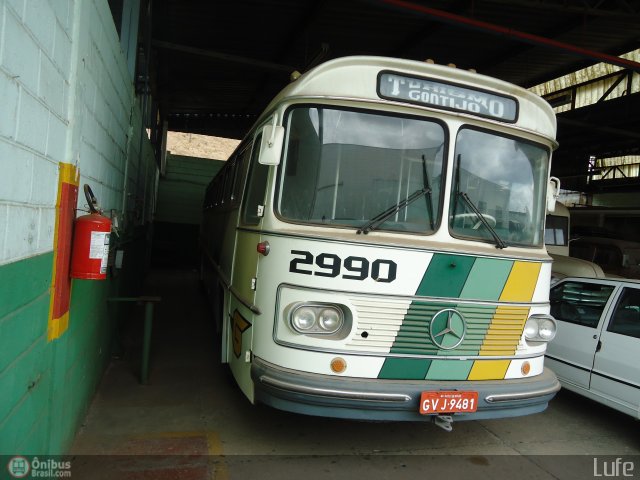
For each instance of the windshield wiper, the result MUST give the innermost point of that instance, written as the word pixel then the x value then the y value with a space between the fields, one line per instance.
pixel 427 187
pixel 499 242
pixel 376 221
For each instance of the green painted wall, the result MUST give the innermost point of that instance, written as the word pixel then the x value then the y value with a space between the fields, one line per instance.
pixel 24 353
pixel 67 98
pixel 47 387
pixel 181 189
pixel 179 210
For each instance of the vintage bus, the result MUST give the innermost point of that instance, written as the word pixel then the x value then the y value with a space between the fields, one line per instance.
pixel 556 238
pixel 375 246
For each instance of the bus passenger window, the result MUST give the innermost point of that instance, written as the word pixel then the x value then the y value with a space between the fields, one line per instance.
pixel 256 187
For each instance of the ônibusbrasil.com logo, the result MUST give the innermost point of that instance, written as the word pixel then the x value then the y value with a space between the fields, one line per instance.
pixel 21 467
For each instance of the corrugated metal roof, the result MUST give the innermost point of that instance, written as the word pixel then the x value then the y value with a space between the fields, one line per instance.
pixel 216 64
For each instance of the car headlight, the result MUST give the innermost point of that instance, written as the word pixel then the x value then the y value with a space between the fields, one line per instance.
pixel 317 319
pixel 540 327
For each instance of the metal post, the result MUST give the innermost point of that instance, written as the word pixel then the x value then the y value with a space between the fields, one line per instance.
pixel 146 346
pixel 148 324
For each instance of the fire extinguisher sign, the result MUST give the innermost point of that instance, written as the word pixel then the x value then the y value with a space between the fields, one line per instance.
pixel 99 248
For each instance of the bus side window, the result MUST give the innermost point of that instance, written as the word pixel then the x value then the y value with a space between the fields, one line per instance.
pixel 206 205
pixel 228 181
pixel 233 180
pixel 256 187
pixel 216 191
pixel 240 176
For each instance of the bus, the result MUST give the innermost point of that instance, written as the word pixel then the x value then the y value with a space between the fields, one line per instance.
pixel 556 238
pixel 375 246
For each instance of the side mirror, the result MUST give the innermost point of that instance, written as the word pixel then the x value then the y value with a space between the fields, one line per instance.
pixel 553 190
pixel 271 144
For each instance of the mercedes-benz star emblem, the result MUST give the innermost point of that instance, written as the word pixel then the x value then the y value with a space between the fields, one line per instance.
pixel 447 329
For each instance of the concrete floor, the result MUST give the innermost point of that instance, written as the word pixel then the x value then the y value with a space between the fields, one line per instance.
pixel 191 422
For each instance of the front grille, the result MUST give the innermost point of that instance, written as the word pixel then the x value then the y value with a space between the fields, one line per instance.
pixel 400 326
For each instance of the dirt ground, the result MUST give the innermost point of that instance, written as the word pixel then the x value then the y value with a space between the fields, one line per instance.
pixel 202 146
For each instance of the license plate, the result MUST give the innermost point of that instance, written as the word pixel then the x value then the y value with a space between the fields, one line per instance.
pixel 448 402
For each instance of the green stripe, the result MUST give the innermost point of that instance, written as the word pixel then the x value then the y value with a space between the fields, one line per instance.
pixel 449 369
pixel 445 276
pixel 413 335
pixel 478 318
pixel 448 276
pixel 404 368
pixel 487 279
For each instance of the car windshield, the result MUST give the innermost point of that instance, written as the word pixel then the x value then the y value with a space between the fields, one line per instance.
pixel 366 170
pixel 498 189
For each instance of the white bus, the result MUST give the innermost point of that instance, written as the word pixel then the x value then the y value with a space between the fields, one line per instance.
pixel 375 246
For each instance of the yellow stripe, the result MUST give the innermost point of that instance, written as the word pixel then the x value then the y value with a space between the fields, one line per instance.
pixel 214 447
pixel 505 330
pixel 57 326
pixel 53 331
pixel 489 369
pixel 506 326
pixel 521 283
pixel 69 174
pixel 504 333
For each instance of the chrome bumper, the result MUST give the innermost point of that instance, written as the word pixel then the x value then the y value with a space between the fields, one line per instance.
pixel 374 399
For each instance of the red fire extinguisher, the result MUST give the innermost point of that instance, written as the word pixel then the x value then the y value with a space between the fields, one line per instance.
pixel 91 236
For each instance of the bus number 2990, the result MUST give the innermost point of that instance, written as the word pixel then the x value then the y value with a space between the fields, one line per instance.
pixel 351 268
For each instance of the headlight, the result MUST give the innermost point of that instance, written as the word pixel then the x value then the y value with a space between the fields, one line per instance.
pixel 547 329
pixel 540 328
pixel 330 320
pixel 531 329
pixel 317 319
pixel 303 319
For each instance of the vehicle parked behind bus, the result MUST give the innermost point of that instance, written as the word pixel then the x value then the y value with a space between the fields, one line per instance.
pixel 557 236
pixel 617 257
pixel 375 246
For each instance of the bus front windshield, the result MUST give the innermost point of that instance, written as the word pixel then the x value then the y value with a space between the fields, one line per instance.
pixel 498 189
pixel 362 169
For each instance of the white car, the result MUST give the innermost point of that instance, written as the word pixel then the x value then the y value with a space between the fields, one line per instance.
pixel 596 351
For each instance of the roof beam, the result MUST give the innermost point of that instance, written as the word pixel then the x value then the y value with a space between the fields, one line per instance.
pixel 225 57
pixel 620 132
pixel 429 29
pixel 624 10
pixel 492 28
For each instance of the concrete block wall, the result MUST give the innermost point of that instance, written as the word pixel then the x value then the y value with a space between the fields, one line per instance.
pixel 67 97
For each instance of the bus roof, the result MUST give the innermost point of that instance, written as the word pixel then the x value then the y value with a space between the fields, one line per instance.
pixel 357 78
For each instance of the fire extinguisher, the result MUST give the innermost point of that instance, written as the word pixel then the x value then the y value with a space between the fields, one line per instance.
pixel 91 235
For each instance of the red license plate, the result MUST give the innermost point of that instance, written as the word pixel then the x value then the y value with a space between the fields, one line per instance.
pixel 448 402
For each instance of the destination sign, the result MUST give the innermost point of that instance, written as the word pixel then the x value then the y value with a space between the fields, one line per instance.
pixel 447 96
